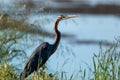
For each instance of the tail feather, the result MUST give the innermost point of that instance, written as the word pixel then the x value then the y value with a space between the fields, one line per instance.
pixel 23 75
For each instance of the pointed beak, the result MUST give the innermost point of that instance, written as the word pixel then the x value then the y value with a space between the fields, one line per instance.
pixel 70 16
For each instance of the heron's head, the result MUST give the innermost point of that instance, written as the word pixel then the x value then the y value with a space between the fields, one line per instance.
pixel 63 17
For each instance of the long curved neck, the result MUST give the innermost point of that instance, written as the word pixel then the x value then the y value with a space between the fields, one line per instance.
pixel 58 35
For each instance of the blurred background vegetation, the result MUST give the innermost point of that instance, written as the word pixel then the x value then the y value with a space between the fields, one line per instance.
pixel 16 31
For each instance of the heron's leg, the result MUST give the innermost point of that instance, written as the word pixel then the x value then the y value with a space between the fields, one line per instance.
pixel 35 75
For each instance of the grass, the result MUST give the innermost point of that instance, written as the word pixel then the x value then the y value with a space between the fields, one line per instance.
pixel 7 72
pixel 107 64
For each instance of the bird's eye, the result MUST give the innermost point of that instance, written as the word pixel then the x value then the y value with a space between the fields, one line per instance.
pixel 62 16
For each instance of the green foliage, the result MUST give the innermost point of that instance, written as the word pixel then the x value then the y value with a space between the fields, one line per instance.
pixel 8 49
pixel 7 72
pixel 8 52
pixel 107 64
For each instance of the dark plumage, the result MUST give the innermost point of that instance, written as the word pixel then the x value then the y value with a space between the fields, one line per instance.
pixel 42 52
pixel 37 59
